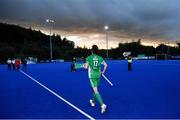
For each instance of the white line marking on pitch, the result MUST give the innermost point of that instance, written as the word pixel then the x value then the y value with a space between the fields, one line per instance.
pixel 73 106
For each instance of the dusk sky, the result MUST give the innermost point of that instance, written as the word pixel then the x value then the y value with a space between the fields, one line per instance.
pixel 83 21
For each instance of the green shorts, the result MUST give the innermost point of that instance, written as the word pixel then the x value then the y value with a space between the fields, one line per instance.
pixel 95 82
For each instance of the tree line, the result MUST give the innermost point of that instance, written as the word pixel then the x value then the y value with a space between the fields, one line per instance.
pixel 16 41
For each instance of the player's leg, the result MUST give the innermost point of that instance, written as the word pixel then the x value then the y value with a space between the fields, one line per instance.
pixel 72 67
pixel 95 84
pixel 98 96
pixel 93 100
pixel 18 67
pixel 8 66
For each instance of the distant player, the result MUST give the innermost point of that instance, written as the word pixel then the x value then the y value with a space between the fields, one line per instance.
pixel 24 62
pixel 73 69
pixel 9 64
pixel 93 63
pixel 129 59
pixel 17 63
pixel 13 64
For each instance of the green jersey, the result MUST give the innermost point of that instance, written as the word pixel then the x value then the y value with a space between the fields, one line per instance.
pixel 94 61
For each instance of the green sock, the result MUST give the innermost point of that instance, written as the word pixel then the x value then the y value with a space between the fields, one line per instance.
pixel 94 97
pixel 98 97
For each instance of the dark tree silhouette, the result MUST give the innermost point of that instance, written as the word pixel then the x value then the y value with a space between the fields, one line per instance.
pixel 16 41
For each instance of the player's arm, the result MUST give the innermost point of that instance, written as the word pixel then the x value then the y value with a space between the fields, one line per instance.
pixel 86 65
pixel 105 67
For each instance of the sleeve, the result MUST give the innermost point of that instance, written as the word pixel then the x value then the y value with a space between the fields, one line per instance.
pixel 87 60
pixel 101 60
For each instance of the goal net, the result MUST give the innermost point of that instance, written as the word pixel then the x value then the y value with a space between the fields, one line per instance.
pixel 161 56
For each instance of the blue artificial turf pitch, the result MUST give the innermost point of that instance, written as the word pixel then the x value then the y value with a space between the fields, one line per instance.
pixel 151 90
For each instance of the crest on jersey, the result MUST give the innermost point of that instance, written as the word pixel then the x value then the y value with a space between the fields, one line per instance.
pixel 95 58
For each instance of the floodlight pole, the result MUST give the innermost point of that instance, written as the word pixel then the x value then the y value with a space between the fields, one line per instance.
pixel 50 38
pixel 168 49
pixel 106 29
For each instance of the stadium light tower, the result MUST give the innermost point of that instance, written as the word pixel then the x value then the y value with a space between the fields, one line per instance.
pixel 50 39
pixel 106 29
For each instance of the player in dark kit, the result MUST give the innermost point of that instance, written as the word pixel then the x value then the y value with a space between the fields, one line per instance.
pixel 129 59
pixel 73 69
pixel 24 62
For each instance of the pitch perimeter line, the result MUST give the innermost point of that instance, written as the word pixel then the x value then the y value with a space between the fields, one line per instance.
pixel 70 104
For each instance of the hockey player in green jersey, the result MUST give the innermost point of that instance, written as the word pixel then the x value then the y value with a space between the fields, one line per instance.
pixel 93 64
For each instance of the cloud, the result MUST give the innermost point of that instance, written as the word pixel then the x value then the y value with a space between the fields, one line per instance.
pixel 146 19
